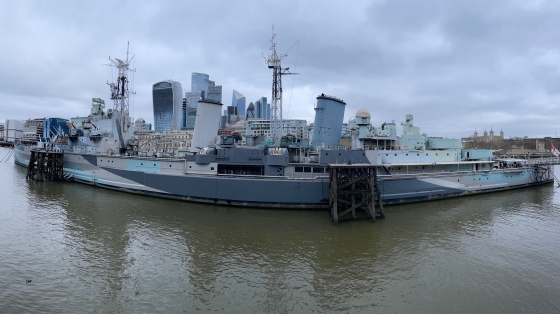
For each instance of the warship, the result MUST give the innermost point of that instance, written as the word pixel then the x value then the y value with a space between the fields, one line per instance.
pixel 284 172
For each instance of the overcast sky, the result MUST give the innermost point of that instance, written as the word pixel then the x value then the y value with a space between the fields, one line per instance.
pixel 455 65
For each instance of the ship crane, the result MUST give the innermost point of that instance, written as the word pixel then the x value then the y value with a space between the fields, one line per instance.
pixel 274 63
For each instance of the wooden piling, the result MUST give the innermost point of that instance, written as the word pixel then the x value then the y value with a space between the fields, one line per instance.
pixel 45 165
pixel 353 187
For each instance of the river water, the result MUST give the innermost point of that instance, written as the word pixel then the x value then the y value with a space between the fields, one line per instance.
pixel 90 250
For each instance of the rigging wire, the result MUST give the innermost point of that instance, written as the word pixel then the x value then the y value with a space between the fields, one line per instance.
pixel 251 79
pixel 297 42
pixel 133 85
pixel 77 102
pixel 293 77
pixel 222 83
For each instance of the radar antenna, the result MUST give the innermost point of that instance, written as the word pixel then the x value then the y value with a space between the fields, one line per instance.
pixel 120 96
pixel 274 63
pixel 119 89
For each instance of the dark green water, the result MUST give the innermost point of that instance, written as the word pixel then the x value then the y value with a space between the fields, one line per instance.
pixel 91 250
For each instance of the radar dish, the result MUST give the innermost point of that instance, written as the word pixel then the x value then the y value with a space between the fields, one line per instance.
pixel 362 113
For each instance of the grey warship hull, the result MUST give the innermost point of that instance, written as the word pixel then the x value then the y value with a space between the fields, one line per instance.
pixel 168 178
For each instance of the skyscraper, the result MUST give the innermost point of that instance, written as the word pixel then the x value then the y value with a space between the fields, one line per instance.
pixel 201 87
pixel 250 111
pixel 201 82
pixel 184 114
pixel 262 109
pixel 168 102
pixel 238 101
pixel 214 92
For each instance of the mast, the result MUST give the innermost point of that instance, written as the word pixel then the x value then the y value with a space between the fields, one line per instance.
pixel 274 63
pixel 120 95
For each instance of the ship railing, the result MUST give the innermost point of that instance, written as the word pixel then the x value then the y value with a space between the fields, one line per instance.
pixel 291 144
pixel 545 160
pixel 443 172
pixel 268 177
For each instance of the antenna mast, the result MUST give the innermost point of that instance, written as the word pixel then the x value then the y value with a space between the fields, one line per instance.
pixel 274 63
pixel 119 90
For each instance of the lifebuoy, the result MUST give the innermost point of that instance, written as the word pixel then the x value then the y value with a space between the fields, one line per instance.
pixel 483 165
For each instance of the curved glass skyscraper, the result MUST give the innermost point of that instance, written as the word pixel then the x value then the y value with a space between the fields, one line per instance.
pixel 168 103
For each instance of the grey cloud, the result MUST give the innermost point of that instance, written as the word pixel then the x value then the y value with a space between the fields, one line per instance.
pixel 457 65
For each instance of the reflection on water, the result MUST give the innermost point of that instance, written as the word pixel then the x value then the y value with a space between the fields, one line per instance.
pixel 87 249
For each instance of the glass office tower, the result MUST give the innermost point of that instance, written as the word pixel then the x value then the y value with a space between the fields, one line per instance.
pixel 168 103
pixel 262 109
pixel 238 101
pixel 201 82
pixel 214 92
pixel 201 87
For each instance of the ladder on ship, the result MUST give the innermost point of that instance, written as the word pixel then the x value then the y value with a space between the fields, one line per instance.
pixel 354 187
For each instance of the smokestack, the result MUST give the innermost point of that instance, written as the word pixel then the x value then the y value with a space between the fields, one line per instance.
pixel 208 117
pixel 327 128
